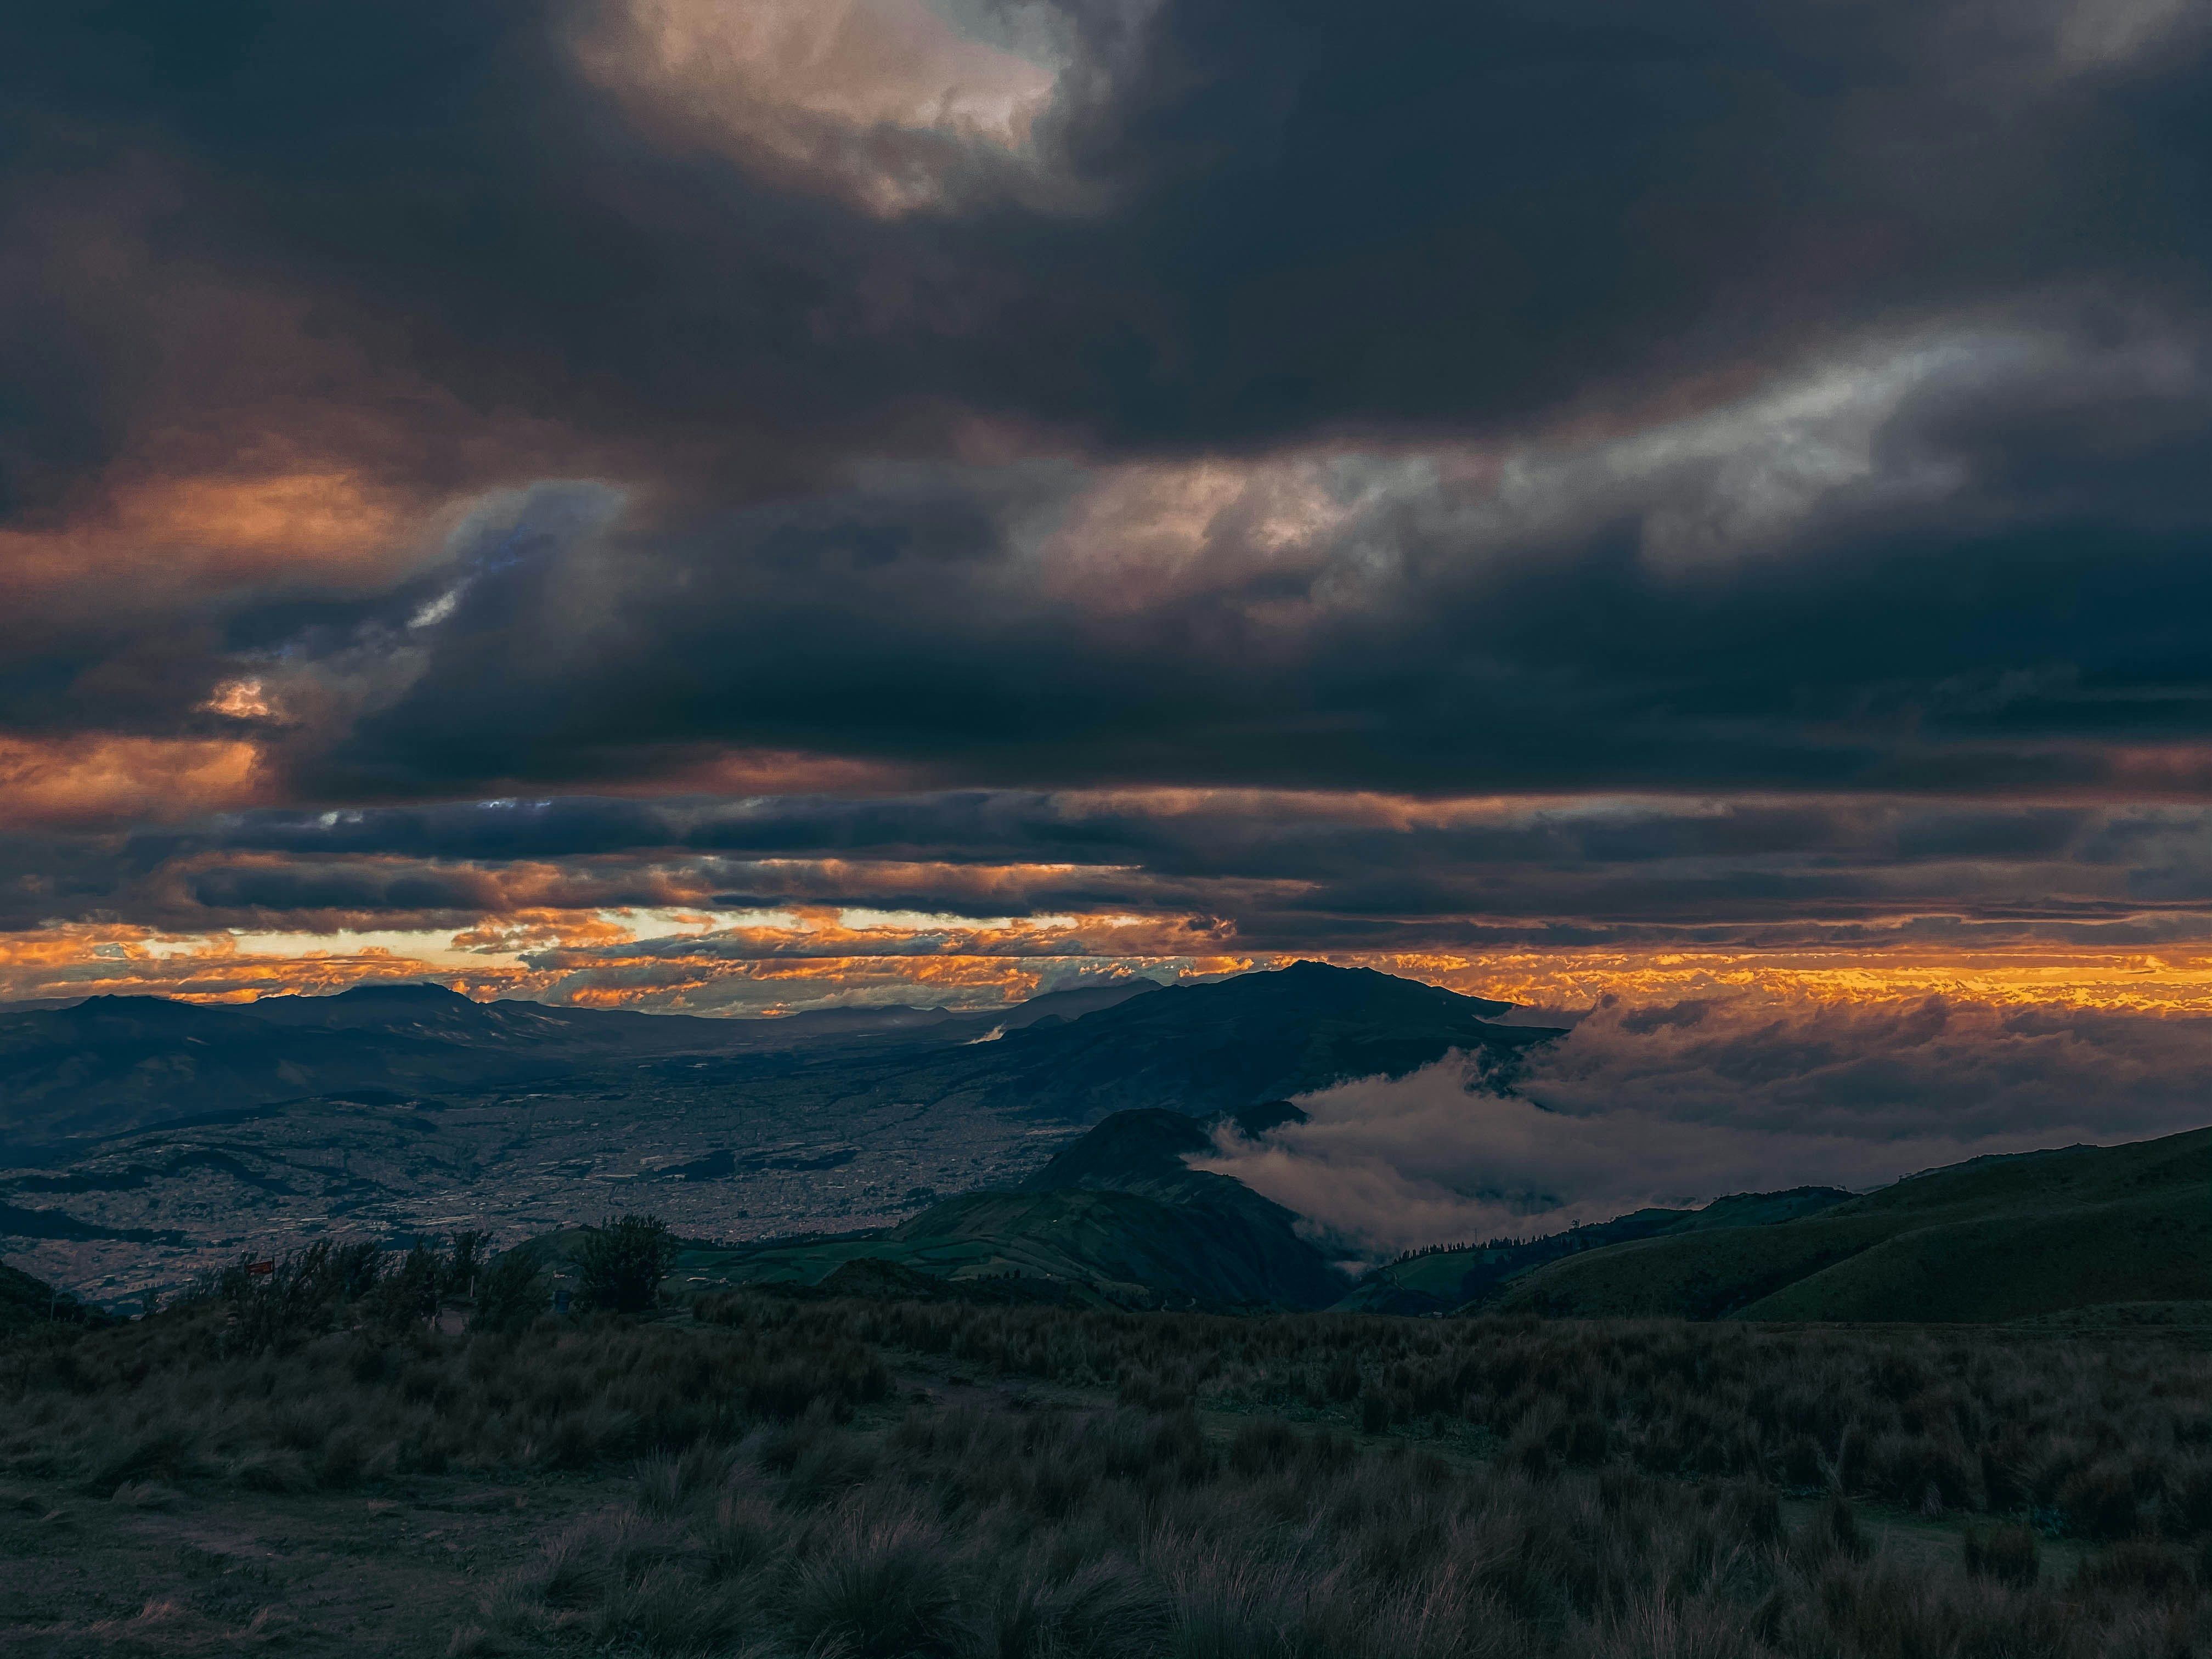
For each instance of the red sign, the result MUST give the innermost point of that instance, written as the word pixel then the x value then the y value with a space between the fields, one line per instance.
pixel 261 1266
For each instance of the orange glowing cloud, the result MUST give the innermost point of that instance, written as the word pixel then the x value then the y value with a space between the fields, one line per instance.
pixel 2131 981
pixel 155 536
pixel 94 780
pixel 764 772
pixel 705 964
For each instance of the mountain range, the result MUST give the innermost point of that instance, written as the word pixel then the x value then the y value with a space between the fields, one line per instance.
pixel 147 1134
pixel 109 1064
pixel 1038 1150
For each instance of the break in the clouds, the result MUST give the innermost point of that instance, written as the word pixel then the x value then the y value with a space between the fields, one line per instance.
pixel 719 505
pixel 1681 1103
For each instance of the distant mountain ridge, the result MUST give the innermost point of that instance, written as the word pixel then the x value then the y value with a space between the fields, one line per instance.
pixel 109 1064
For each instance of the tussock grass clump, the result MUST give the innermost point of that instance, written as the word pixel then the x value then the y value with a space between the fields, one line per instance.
pixel 2007 1554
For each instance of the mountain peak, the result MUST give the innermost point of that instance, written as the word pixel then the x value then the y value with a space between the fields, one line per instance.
pixel 419 991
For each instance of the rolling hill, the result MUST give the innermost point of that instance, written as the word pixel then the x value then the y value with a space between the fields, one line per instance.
pixel 1115 1218
pixel 1996 1239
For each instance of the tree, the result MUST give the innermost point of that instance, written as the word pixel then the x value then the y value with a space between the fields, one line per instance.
pixel 472 1248
pixel 621 1263
pixel 510 1293
pixel 408 1294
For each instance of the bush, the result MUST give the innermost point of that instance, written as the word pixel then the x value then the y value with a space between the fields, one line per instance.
pixel 621 1264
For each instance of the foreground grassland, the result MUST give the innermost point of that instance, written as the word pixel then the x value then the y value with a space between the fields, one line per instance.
pixel 874 1480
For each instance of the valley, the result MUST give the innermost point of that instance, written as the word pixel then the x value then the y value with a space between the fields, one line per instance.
pixel 857 1123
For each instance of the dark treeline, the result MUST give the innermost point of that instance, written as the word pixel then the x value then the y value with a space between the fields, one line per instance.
pixel 1450 1249
pixel 1093 1484
pixel 277 1303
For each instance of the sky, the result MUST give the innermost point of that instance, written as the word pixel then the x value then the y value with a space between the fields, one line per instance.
pixel 729 506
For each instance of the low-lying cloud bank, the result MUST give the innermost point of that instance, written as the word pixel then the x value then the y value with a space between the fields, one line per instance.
pixel 1683 1103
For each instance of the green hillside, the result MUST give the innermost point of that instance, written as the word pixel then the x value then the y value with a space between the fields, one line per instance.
pixel 1996 1239
pixel 1438 1281
pixel 1117 1219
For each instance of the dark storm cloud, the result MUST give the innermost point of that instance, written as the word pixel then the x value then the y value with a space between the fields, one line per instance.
pixel 1268 874
pixel 1435 399
pixel 1274 217
pixel 1819 586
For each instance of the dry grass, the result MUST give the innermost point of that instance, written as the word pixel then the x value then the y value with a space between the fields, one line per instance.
pixel 1135 1485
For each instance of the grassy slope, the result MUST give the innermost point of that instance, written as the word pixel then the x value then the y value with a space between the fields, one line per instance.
pixel 878 1478
pixel 1995 1239
pixel 1121 1247
pixel 1116 1217
pixel 1445 1279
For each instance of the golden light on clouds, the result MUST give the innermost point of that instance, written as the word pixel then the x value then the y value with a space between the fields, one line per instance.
pixel 766 962
pixel 157 537
pixel 94 780
pixel 2167 982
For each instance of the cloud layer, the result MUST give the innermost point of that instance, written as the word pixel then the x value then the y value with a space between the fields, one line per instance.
pixel 1685 1103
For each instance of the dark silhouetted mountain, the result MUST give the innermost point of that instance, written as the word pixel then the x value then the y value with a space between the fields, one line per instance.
pixel 112 1064
pixel 2032 1236
pixel 108 1064
pixel 432 1011
pixel 1072 1004
pixel 115 1063
pixel 1220 1047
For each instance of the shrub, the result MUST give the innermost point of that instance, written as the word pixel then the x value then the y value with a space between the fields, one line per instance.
pixel 2140 1566
pixel 771 1515
pixel 621 1263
